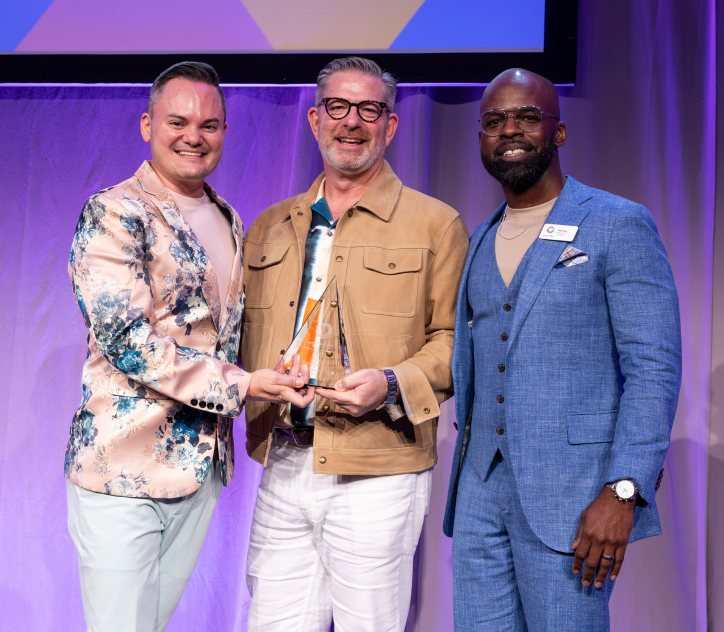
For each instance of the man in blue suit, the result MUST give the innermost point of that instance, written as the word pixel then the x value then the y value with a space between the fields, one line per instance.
pixel 566 366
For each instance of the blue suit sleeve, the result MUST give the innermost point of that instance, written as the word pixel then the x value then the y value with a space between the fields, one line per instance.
pixel 644 309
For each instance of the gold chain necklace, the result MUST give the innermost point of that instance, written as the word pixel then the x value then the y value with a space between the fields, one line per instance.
pixel 505 215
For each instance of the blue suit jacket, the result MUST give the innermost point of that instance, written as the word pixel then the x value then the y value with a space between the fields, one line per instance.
pixel 593 365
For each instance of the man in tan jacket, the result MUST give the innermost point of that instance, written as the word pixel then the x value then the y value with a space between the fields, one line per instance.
pixel 347 480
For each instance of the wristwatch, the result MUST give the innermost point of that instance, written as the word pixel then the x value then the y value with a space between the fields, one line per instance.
pixel 391 388
pixel 624 489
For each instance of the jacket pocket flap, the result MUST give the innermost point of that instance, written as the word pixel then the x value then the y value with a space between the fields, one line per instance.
pixel 388 261
pixel 267 255
pixel 591 427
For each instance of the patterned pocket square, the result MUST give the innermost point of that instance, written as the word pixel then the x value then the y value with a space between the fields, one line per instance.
pixel 572 257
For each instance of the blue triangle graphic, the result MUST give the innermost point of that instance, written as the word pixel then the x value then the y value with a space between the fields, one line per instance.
pixel 474 24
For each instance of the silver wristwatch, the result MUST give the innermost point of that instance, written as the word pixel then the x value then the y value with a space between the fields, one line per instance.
pixel 624 489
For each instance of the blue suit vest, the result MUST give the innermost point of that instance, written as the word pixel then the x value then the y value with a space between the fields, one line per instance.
pixel 493 307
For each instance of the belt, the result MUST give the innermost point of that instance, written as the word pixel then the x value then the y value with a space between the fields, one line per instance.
pixel 297 436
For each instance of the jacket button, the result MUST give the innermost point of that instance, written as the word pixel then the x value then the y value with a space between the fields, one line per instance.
pixel 329 354
pixel 325 408
pixel 283 351
pixel 263 258
pixel 194 402
pixel 500 399
pixel 503 337
pixel 218 345
pixel 300 212
pixel 500 431
pixel 339 259
pixel 426 411
pixel 391 266
pixel 506 307
pixel 219 407
pixel 455 423
pixel 333 303
pixel 501 367
pixel 322 459
pixel 291 303
pixel 202 404
pixel 350 213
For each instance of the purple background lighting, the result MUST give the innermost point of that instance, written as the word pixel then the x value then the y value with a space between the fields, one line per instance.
pixel 641 123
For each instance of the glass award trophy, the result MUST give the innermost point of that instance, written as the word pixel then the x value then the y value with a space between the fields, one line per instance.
pixel 321 341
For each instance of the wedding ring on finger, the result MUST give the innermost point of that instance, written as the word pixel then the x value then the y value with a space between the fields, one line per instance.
pixel 610 558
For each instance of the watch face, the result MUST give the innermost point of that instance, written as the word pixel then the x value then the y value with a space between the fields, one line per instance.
pixel 625 489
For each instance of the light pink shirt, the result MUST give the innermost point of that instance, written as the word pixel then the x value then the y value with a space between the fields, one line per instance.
pixel 213 231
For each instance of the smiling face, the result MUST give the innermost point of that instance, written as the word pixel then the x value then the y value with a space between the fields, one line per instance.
pixel 516 158
pixel 186 131
pixel 350 145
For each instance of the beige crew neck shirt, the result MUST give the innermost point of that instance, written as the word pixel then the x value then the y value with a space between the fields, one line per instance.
pixel 521 225
pixel 214 233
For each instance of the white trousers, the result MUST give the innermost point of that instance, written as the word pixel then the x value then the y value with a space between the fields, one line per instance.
pixel 136 555
pixel 325 546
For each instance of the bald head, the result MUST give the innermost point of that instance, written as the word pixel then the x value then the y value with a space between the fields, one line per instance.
pixel 515 87
pixel 519 146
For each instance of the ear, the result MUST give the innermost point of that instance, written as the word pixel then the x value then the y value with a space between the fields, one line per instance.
pixel 392 121
pixel 313 117
pixel 146 127
pixel 560 137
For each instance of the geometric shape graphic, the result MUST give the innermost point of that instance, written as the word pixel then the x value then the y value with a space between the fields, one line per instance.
pixel 344 25
pixel 475 24
pixel 143 26
pixel 321 341
pixel 16 19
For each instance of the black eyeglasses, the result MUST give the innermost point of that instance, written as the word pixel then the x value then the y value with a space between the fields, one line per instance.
pixel 527 117
pixel 368 111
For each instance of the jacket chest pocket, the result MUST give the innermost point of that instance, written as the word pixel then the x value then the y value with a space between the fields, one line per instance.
pixel 390 281
pixel 265 267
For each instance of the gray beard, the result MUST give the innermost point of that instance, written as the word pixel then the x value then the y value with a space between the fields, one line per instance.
pixel 350 166
pixel 520 176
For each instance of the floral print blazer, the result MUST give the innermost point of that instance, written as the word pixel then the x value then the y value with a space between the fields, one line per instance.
pixel 160 383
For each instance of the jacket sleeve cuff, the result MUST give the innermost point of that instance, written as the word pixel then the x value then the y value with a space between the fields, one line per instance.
pixel 418 399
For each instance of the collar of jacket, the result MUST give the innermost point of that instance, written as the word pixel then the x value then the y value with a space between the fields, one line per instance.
pixel 380 199
pixel 151 184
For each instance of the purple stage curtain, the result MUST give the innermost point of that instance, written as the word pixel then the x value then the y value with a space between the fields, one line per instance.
pixel 642 123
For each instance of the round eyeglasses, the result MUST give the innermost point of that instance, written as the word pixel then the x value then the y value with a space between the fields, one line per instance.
pixel 527 117
pixel 368 111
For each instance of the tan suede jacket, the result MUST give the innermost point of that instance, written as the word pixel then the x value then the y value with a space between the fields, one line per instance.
pixel 397 316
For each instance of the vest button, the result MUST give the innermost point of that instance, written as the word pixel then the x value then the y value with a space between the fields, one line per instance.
pixel 325 408
pixel 300 212
pixel 500 431
pixel 283 351
pixel 391 266
pixel 506 307
pixel 503 337
pixel 263 258
pixel 501 367
pixel 426 411
pixel 291 303
pixel 339 259
pixel 322 459
pixel 500 399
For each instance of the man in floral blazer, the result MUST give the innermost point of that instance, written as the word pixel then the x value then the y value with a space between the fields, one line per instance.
pixel 156 270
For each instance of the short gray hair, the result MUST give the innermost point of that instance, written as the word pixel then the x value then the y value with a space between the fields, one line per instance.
pixel 361 65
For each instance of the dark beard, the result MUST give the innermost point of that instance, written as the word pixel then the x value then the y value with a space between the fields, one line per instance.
pixel 522 175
